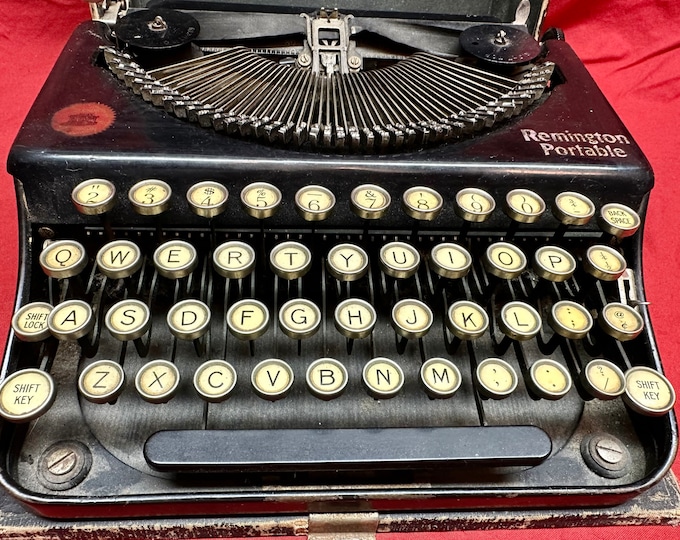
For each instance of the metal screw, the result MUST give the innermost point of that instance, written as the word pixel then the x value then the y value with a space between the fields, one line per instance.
pixel 61 461
pixel 606 455
pixel 64 465
pixel 609 451
pixel 304 60
pixel 354 62
pixel 46 233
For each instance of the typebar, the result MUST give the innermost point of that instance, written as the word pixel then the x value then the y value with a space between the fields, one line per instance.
pixel 332 449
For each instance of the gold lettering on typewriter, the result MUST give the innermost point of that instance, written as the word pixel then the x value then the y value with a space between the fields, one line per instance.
pixel 326 378
pixel 441 377
pixel 272 378
pixel 383 378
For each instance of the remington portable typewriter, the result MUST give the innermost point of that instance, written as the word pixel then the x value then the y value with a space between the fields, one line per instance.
pixel 278 258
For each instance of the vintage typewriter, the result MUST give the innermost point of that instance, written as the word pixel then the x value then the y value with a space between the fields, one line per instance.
pixel 279 258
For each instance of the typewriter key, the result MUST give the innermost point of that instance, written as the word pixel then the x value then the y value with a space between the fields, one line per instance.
pixel 549 379
pixel 157 381
pixel 128 319
pixel 369 201
pixel 150 197
pixel 290 260
pixel 570 320
pixel 572 208
pixel 299 318
pixel 450 260
pixel 422 203
pixel 399 260
pixel 621 321
pixel 554 263
pixel 119 259
pixel 326 378
pixel 208 199
pixel 260 200
pixel 519 321
pixel 618 220
pixel 314 203
pixel 188 319
pixel 355 318
pixel 175 259
pixel 441 377
pixel 604 263
pixel 467 320
pixel 272 379
pixel 234 259
pixel 94 197
pixel 248 319
pixel 347 262
pixel 474 205
pixel 30 322
pixel 524 206
pixel 648 392
pixel 411 318
pixel 71 320
pixel 102 381
pixel 602 379
pixel 504 260
pixel 497 379
pixel 63 259
pixel 26 395
pixel 383 378
pixel 214 380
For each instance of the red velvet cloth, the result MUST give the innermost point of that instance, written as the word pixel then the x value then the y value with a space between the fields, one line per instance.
pixel 631 47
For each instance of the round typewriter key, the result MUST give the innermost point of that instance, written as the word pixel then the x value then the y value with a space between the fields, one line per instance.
pixel 94 196
pixel 314 203
pixel 272 379
pixel 119 259
pixel 290 260
pixel 326 378
pixel 63 259
pixel 549 379
pixel 157 381
pixel 440 377
pixel 370 201
pixel 621 321
pixel 347 262
pixel 214 380
pixel 150 197
pixel 260 200
pixel 497 379
pixel 519 321
pixel 248 319
pixel 554 263
pixel 411 318
pixel 175 259
pixel 618 220
pixel 71 320
pixel 26 395
pixel 234 259
pixel 524 206
pixel 208 199
pixel 399 260
pixel 128 319
pixel 570 320
pixel 422 203
pixel 504 260
pixel 603 379
pixel 102 381
pixel 30 322
pixel 467 320
pixel 604 262
pixel 648 392
pixel 299 318
pixel 355 318
pixel 188 319
pixel 573 208
pixel 450 260
pixel 383 378
pixel 474 205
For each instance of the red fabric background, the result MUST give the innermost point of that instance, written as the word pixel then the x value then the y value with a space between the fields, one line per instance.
pixel 631 47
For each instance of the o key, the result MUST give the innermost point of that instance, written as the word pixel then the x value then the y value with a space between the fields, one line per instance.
pixel 30 322
pixel 272 379
pixel 101 381
pixel 94 196
pixel 504 260
pixel 119 259
pixel 63 259
pixel 71 320
pixel 157 381
pixel 214 380
pixel 383 378
pixel 26 395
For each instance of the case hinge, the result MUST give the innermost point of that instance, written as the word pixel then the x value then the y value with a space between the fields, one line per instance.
pixel 343 526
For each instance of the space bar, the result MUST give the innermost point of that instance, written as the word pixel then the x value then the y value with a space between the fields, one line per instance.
pixel 350 449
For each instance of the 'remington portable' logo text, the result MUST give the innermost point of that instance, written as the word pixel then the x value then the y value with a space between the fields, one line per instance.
pixel 566 143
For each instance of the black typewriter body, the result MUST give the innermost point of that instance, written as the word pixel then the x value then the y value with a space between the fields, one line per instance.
pixel 357 451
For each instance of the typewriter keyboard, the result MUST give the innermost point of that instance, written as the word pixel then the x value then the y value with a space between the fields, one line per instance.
pixel 307 348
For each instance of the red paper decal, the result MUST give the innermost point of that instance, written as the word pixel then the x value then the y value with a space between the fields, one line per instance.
pixel 83 119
